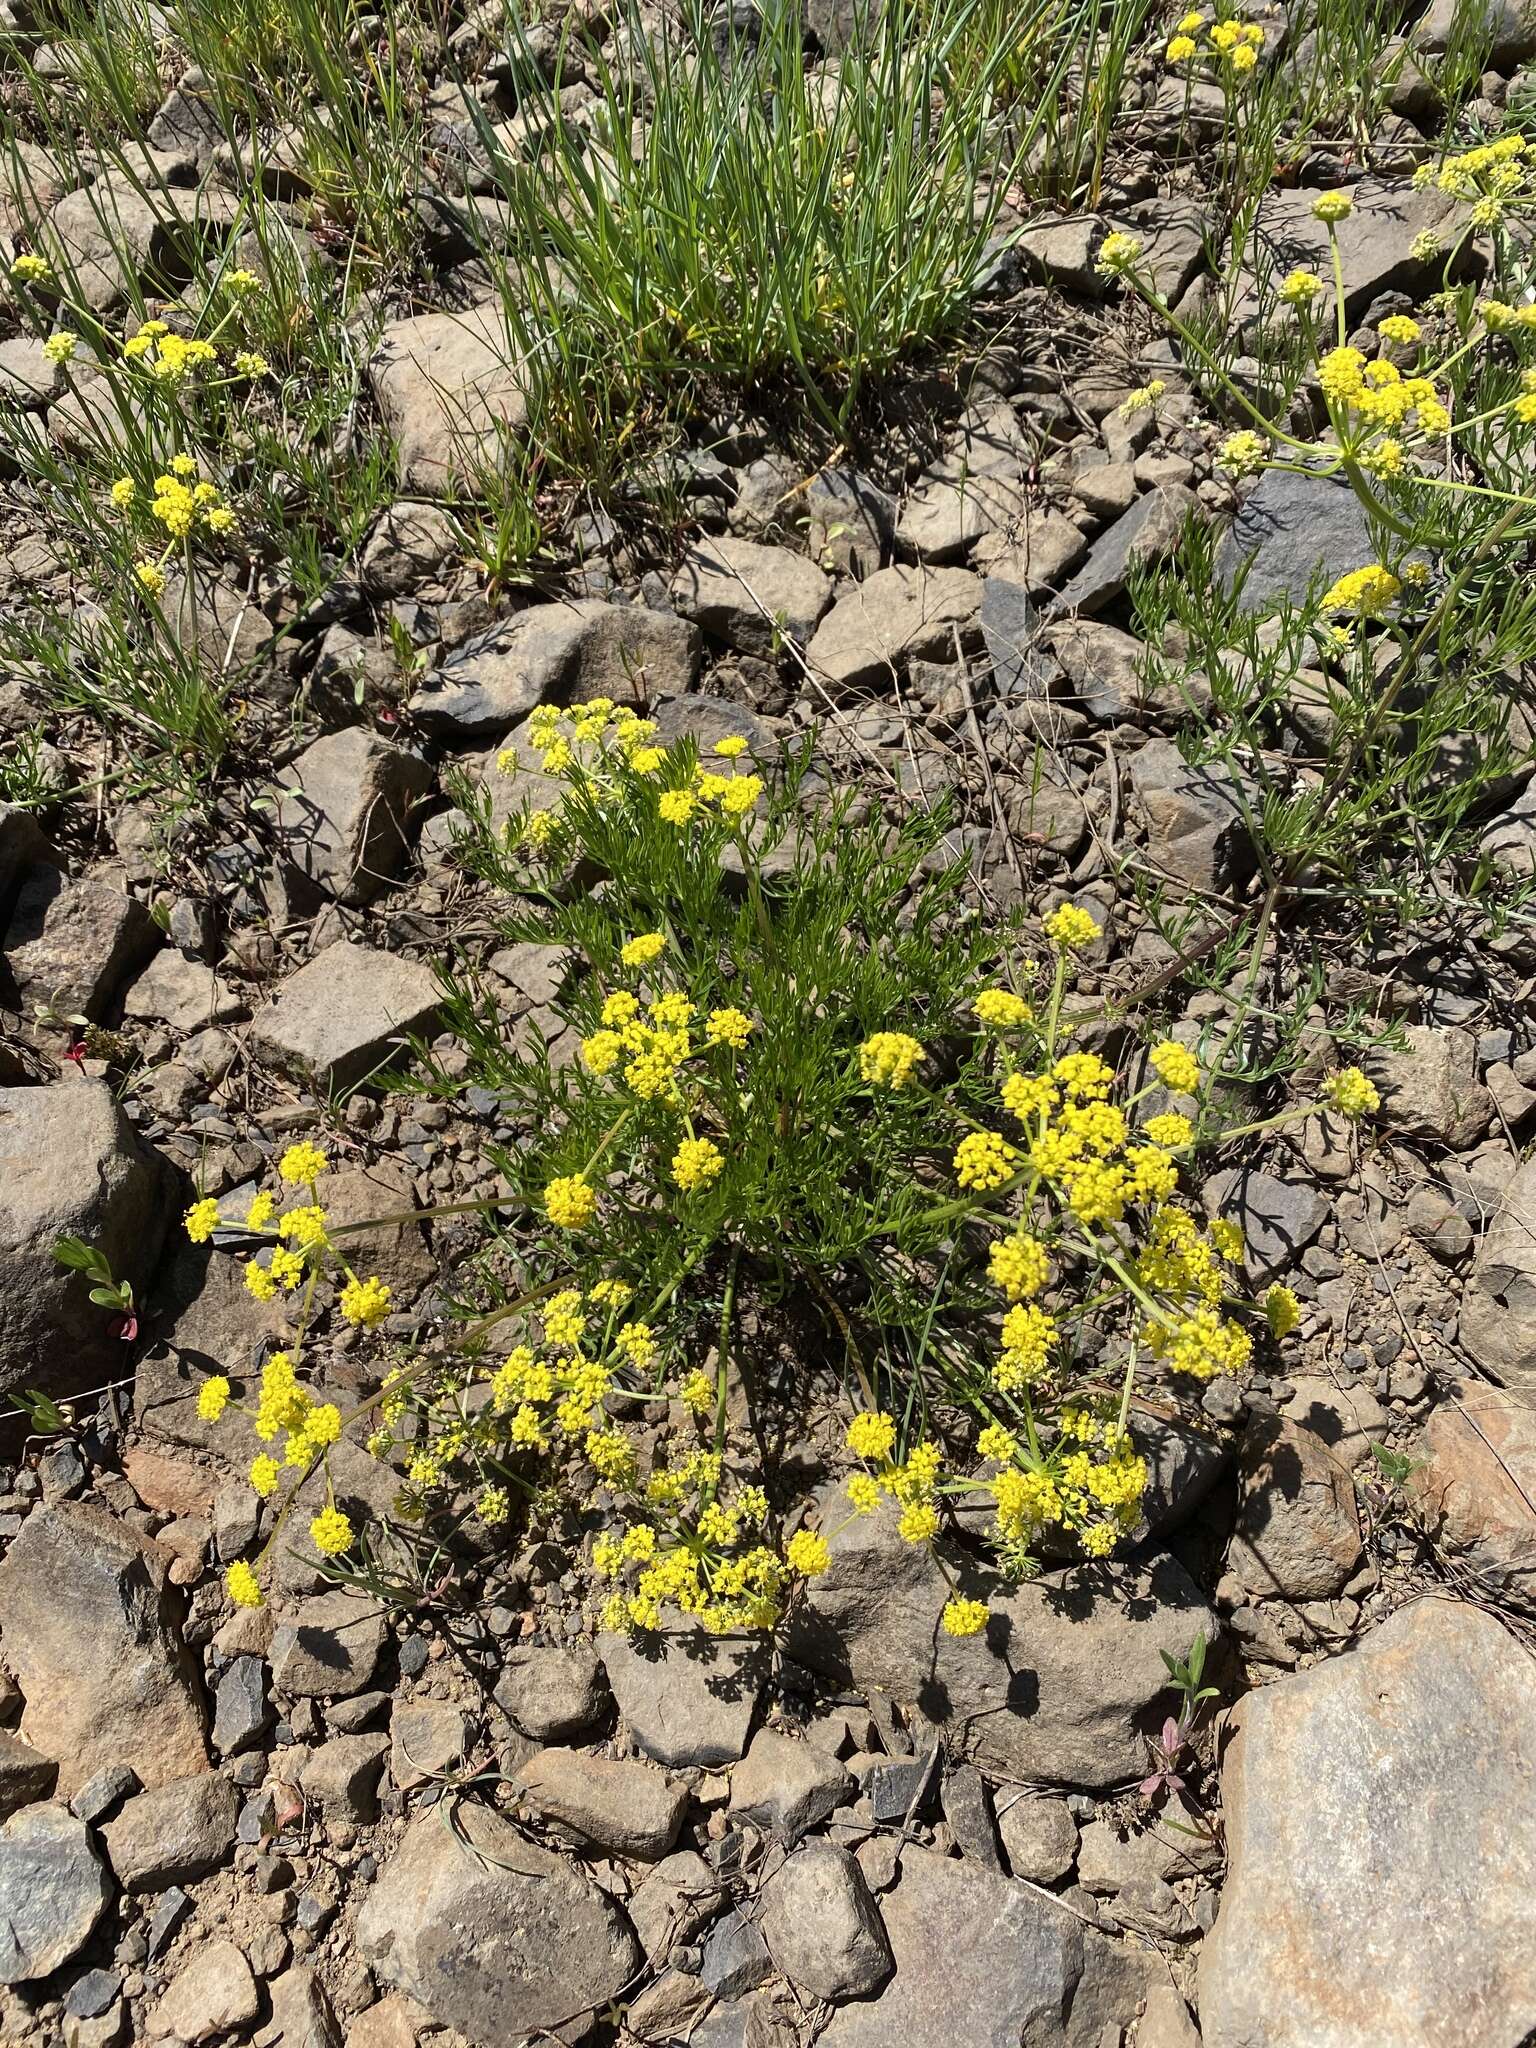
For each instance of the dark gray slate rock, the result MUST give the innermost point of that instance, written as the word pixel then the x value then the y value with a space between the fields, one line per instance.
pixel 1279 1217
pixel 1010 627
pixel 53 1890
pixel 1148 532
pixel 1291 531
pixel 491 1933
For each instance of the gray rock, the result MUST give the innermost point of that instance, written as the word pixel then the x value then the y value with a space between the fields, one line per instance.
pixel 1060 1685
pixel 29 378
pixel 26 1775
pixel 1510 26
pixel 686 1697
pixel 1195 817
pixel 1039 1837
pixel 1038 551
pixel 897 615
pixel 136 1695
pixel 428 1739
pixel 449 386
pixel 751 597
pixel 1278 1217
pixel 241 1714
pixel 622 1809
pixel 177 1832
pixel 1011 628
pixel 1376 245
pixel 1477 1487
pixel 104 1793
pixel 850 522
pixel 345 1014
pixel 101 238
pixel 555 653
pixel 1063 253
pixel 968 1809
pixel 341 1777
pixel 302 2015
pixel 1431 1089
pixel 331 1646
pixel 822 1928
pixel 1510 841
pixel 1103 667
pixel 1298 1529
pixel 975 486
pixel 91 1994
pixel 71 945
pixel 1347 1419
pixel 736 1958
pixel 1291 531
pixel 982 1953
pixel 53 1890
pixel 1498 1306
pixel 211 1995
pixel 491 1933
pixel 552 1694
pixel 1360 1797
pixel 342 822
pixel 186 994
pixel 408 544
pixel 787 1785
pixel 673 1901
pixel 1149 531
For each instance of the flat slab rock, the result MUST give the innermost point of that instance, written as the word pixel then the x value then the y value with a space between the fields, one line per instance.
pixel 345 1013
pixel 1381 1884
pixel 1061 1684
pixel 449 385
pixel 491 1933
pixel 989 1962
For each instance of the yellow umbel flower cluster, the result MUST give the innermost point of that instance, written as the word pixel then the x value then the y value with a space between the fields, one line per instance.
pixel 912 1482
pixel 1088 1482
pixel 1231 45
pixel 889 1059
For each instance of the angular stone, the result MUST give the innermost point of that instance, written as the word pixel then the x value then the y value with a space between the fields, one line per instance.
pixel 330 1648
pixel 1039 1837
pixel 896 615
pixel 1509 25
pixel 1039 550
pixel 427 1738
pixel 979 1953
pixel 356 1199
pixel 1060 1687
pixel 673 1901
pixel 550 1693
pixel 53 1890
pixel 1278 1217
pixel 787 1785
pixel 1292 531
pixel 241 1713
pixel 622 1809
pixel 1361 1797
pixel 346 1013
pixel 850 523
pixel 1010 626
pixel 1149 531
pixel 102 239
pixel 556 653
pixel 1348 1419
pixel 976 486
pixel 177 1832
pixel 1042 813
pixel 1196 823
pixel 1375 242
pixel 491 1933
pixel 822 1928
pixel 26 1775
pixel 341 1777
pixel 408 544
pixel 687 1698
pixel 1498 1305
pixel 736 1958
pixel 1431 1090
pixel 1510 841
pixel 211 1995
pixel 72 944
pixel 136 1697
pixel 1104 667
pixel 450 387
pixel 29 377
pixel 751 597
pixel 1298 1529
pixel 301 2013
pixel 342 824
pixel 1477 1488
pixel 186 994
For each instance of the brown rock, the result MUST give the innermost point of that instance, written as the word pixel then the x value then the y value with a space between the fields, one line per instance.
pixel 1298 1528
pixel 448 385
pixel 1477 1490
pixel 106 1674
